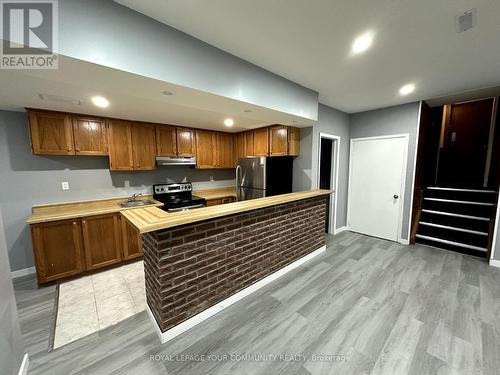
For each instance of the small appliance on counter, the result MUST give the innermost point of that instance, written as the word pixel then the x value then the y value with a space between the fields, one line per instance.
pixel 177 197
pixel 258 177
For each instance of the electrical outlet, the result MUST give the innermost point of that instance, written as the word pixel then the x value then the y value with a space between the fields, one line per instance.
pixel 65 185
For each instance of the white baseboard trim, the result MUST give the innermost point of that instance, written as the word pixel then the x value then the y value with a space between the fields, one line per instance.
pixel 205 314
pixel 23 370
pixel 340 230
pixel 404 241
pixel 22 272
pixel 494 263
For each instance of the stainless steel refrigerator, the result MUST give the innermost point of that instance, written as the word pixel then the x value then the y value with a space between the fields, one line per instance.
pixel 258 177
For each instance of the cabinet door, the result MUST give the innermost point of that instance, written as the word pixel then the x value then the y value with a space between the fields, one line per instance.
pixel 261 142
pixel 91 137
pixel 239 147
pixel 186 142
pixel 131 241
pixel 293 141
pixel 51 133
pixel 58 250
pixel 278 140
pixel 166 140
pixel 120 146
pixel 224 148
pixel 227 200
pixel 249 150
pixel 144 146
pixel 213 202
pixel 205 149
pixel 101 240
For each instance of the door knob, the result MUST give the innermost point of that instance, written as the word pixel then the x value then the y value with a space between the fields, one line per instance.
pixel 396 196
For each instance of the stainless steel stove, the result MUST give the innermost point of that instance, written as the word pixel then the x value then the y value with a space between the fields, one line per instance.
pixel 177 197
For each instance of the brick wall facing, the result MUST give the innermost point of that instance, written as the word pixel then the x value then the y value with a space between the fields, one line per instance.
pixel 193 267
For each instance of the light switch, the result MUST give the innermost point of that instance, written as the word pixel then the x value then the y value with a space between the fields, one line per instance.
pixel 65 185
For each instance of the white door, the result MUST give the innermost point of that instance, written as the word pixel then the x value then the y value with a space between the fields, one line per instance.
pixel 376 186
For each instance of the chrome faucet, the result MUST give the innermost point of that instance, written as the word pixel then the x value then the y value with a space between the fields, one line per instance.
pixel 134 197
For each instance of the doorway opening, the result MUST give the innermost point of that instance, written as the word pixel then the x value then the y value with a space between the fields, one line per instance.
pixel 328 160
pixel 457 176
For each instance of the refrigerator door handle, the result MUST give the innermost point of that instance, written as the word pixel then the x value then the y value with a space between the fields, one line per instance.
pixel 238 183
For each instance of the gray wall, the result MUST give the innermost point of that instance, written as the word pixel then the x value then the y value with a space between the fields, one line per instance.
pixel 392 120
pixel 106 33
pixel 305 171
pixel 29 180
pixel 11 346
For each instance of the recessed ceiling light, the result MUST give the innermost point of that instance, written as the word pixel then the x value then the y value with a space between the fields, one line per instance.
pixel 294 121
pixel 167 93
pixel 229 122
pixel 407 89
pixel 362 43
pixel 247 110
pixel 100 101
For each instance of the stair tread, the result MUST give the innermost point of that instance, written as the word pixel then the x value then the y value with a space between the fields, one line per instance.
pixel 459 189
pixel 459 201
pixel 456 215
pixel 448 242
pixel 454 228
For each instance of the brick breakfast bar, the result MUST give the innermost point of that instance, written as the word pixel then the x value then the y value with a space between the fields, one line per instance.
pixel 200 261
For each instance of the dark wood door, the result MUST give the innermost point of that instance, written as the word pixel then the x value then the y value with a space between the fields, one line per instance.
pixel 186 142
pixel 166 140
pixel 278 140
pixel 51 133
pixel 465 144
pixel 144 146
pixel 102 240
pixel 131 241
pixel 206 156
pixel 91 137
pixel 58 249
pixel 120 146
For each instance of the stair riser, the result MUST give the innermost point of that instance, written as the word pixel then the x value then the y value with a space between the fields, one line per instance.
pixel 462 196
pixel 453 235
pixel 481 226
pixel 460 208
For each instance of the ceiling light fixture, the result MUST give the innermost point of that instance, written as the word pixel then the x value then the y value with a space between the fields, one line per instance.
pixel 167 93
pixel 407 89
pixel 100 101
pixel 247 110
pixel 362 43
pixel 229 122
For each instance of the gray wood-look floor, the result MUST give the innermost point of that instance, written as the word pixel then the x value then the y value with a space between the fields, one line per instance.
pixel 389 309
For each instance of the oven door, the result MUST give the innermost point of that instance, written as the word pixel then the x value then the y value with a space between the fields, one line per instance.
pixel 185 208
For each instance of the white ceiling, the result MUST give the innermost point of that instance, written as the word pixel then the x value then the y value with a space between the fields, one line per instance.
pixel 131 97
pixel 308 41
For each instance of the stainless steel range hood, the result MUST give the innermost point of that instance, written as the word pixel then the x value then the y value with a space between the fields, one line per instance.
pixel 173 160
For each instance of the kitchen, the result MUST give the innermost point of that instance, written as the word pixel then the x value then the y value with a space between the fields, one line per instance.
pixel 237 181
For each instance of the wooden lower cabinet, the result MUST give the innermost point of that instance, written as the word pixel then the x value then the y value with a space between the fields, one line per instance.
pixel 102 240
pixel 217 201
pixel 131 241
pixel 58 249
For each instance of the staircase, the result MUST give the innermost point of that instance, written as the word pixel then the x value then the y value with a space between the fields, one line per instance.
pixel 457 219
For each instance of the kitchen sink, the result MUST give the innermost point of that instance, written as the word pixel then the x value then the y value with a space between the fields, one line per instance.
pixel 136 203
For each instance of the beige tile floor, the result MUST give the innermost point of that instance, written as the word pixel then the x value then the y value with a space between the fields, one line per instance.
pixel 94 302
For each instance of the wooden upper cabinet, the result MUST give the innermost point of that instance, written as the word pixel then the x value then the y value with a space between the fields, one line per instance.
pixel 120 146
pixel 58 249
pixel 225 152
pixel 143 146
pixel 102 240
pixel 131 241
pixel 261 142
pixel 278 140
pixel 166 140
pixel 293 141
pixel 206 156
pixel 90 134
pixel 51 133
pixel 249 142
pixel 239 146
pixel 186 142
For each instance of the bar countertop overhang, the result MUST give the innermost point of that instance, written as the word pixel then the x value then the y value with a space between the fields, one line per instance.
pixel 150 219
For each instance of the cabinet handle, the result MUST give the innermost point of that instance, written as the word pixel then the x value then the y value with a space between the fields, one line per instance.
pixel 74 222
pixel 69 148
pixel 78 149
pixel 84 222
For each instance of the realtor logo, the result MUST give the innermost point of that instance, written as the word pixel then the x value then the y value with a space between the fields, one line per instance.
pixel 29 34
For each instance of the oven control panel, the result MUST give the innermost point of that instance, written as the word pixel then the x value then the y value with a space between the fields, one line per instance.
pixel 172 188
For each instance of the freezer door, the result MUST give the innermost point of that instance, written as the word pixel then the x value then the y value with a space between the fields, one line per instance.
pixel 244 194
pixel 251 172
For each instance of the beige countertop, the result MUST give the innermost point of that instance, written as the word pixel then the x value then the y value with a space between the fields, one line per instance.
pixel 53 212
pixel 149 219
pixel 216 193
